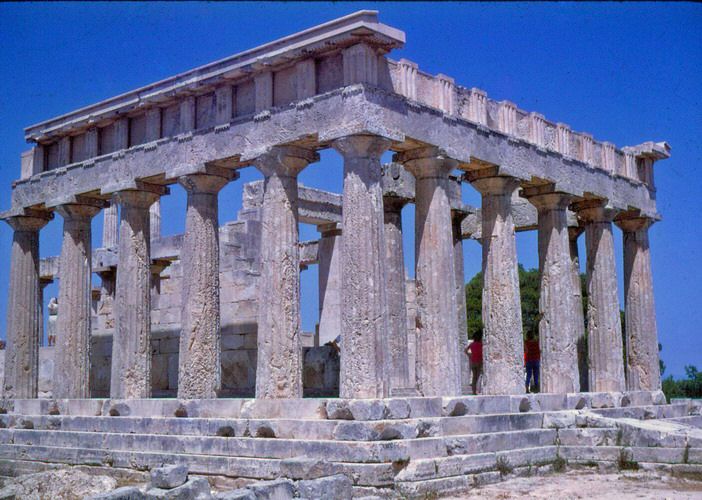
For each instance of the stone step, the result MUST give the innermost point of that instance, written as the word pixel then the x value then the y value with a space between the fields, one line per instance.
pixel 16 458
pixel 646 412
pixel 602 436
pixel 692 420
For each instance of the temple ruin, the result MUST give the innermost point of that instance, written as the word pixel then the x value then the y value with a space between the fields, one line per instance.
pixel 204 328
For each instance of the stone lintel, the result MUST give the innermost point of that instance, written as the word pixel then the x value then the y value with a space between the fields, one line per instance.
pixel 204 169
pixel 135 185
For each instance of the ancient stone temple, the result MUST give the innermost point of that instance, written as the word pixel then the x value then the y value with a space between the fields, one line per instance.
pixel 192 350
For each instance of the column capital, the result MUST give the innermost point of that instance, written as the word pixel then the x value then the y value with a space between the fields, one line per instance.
pixel 362 146
pixel 329 229
pixel 212 181
pixel 285 161
pixel 594 211
pixel 426 162
pixel 29 220
pixel 634 224
pixel 135 198
pixel 493 185
pixel 547 199
pixel 80 211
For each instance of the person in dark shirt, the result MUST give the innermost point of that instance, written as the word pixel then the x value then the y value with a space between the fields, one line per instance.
pixel 474 351
pixel 532 359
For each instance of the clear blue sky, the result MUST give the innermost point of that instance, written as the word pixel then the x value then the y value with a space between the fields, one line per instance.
pixel 626 73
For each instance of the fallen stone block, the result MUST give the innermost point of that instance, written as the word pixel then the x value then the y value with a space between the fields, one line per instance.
pixel 196 488
pixel 280 489
pixel 240 494
pixel 124 493
pixel 337 487
pixel 169 477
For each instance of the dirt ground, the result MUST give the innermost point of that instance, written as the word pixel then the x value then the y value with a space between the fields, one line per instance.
pixel 591 486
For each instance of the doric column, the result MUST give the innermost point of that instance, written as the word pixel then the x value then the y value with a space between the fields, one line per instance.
pixel 503 344
pixel 643 369
pixel 279 366
pixel 604 329
pixel 131 345
pixel 106 313
pixel 23 328
pixel 581 339
pixel 72 354
pixel 363 371
pixel 110 226
pixel 396 294
pixel 329 257
pixel 155 220
pixel 557 328
pixel 457 217
pixel 438 369
pixel 199 367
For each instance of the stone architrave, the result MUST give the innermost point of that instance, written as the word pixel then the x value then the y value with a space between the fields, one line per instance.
pixel 463 360
pixel 329 258
pixel 503 344
pixel 199 366
pixel 573 233
pixel 396 294
pixel 643 368
pixel 557 329
pixel 604 329
pixel 131 345
pixel 438 364
pixel 364 372
pixel 279 365
pixel 21 378
pixel 73 325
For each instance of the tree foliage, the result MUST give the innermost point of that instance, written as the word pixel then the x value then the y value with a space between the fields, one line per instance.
pixel 690 387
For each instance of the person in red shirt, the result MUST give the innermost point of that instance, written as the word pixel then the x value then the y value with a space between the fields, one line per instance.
pixel 532 359
pixel 474 351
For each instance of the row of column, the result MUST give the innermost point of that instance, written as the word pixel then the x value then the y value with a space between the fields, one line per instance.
pixel 372 306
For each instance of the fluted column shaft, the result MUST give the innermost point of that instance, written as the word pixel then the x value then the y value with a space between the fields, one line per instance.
pixel 131 345
pixel 72 353
pixel 110 226
pixel 643 368
pixel 557 305
pixel 463 360
pixel 438 368
pixel 199 366
pixel 581 339
pixel 279 365
pixel 396 294
pixel 329 257
pixel 155 220
pixel 503 345
pixel 23 308
pixel 604 329
pixel 363 371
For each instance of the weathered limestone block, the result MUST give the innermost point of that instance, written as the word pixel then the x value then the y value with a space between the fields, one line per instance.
pixel 72 356
pixel 338 487
pixel 606 366
pixel 21 372
pixel 573 233
pixel 503 346
pixel 169 476
pixel 197 488
pixel 131 347
pixel 279 366
pixel 438 370
pixel 396 294
pixel 364 321
pixel 557 328
pixel 199 371
pixel 643 369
